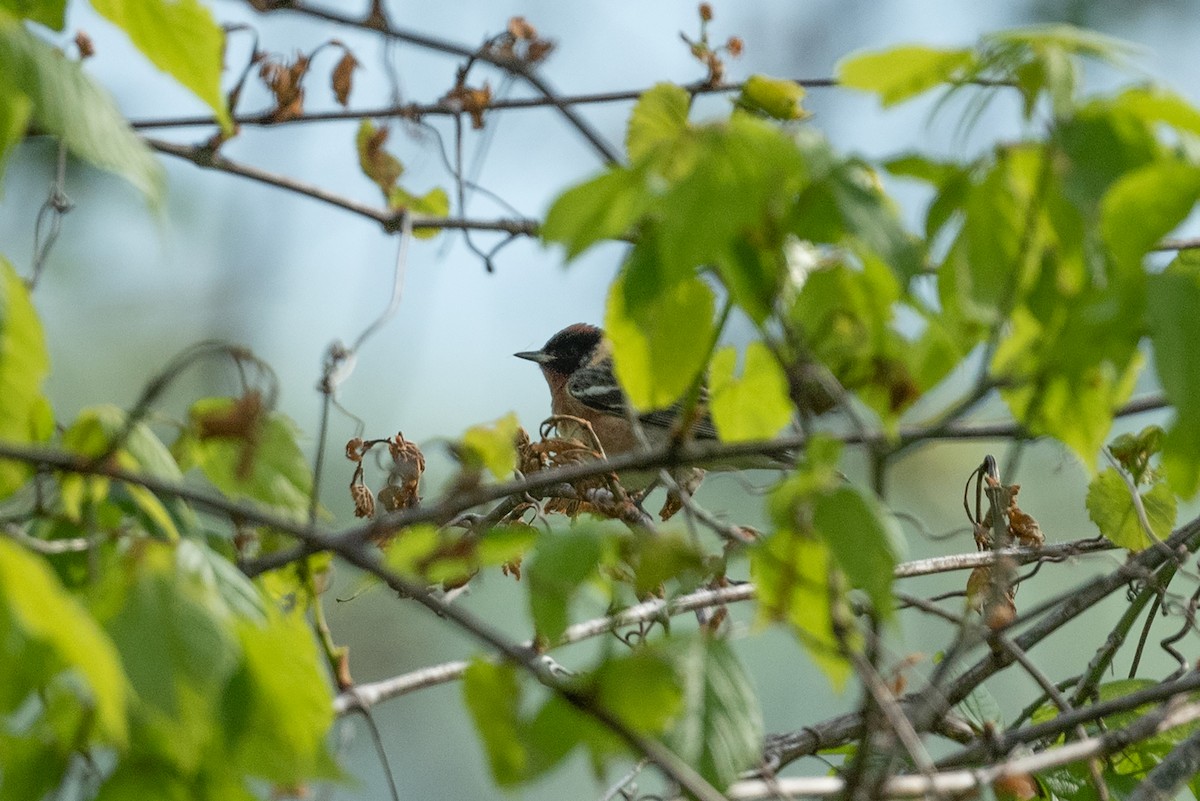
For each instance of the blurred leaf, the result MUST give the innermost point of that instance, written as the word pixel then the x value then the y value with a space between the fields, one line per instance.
pixel 15 111
pixel 776 97
pixel 23 366
pixel 792 573
pixel 738 180
pixel 1110 506
pixel 434 203
pixel 754 406
pixel 493 446
pixel 640 689
pixel 493 696
pixel 606 207
pixel 659 557
pixel 278 709
pixel 720 729
pixel 562 562
pixel 865 542
pixel 380 166
pixel 659 345
pixel 257 459
pixel 182 39
pixel 658 118
pixel 50 13
pixel 1134 451
pixel 44 632
pixel 410 549
pixel 1172 299
pixel 981 709
pixel 1155 104
pixel 1158 196
pixel 902 72
pixel 69 105
pixel 177 653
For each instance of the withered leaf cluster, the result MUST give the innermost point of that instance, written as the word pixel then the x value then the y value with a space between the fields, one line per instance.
pixel 402 490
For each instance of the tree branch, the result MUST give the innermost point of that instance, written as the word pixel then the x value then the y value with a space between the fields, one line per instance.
pixel 513 66
pixel 392 220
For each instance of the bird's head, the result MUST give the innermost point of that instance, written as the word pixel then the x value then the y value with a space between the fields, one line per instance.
pixel 568 350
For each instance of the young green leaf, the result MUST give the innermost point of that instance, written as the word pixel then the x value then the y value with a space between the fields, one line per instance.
pixel 15 111
pixel 1172 299
pixel 792 571
pixel 754 406
pixel 179 673
pixel 23 366
pixel 493 696
pixel 493 446
pixel 562 562
pixel 277 706
pixel 1158 196
pixel 247 455
pixel 44 631
pixel 659 344
pixel 182 39
pixel 640 689
pixel 606 207
pixel 866 543
pixel 903 72
pixel 719 730
pixel 69 105
pixel 50 13
pixel 1110 506
pixel 658 118
pixel 776 97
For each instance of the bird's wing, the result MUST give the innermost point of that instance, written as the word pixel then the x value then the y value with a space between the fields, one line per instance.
pixel 597 388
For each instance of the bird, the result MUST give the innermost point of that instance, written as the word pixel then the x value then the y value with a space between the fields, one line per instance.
pixel 578 367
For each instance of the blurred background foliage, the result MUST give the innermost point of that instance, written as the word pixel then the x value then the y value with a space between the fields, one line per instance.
pixel 126 289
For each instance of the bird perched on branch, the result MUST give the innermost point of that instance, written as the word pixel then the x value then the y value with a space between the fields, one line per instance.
pixel 577 364
pixel 578 367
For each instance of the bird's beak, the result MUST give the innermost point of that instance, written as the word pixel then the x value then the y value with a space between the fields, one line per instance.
pixel 541 357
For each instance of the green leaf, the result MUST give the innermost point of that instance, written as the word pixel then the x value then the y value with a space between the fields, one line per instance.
pixel 792 571
pixel 640 689
pixel 51 13
pixel 903 72
pixel 69 105
pixel 257 460
pixel 493 696
pixel 409 550
pixel 380 166
pixel 506 544
pixel 92 434
pixel 562 562
pixel 754 406
pixel 277 708
pixel 606 207
pixel 434 203
pixel 182 39
pixel 15 111
pixel 776 97
pixel 179 672
pixel 1155 104
pixel 1172 299
pixel 23 366
pixel 659 343
pixel 720 729
pixel 658 119
pixel 45 632
pixel 1110 506
pixel 493 446
pixel 736 183
pixel 865 542
pixel 1158 196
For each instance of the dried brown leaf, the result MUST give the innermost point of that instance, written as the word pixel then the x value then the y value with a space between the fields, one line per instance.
pixel 343 78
